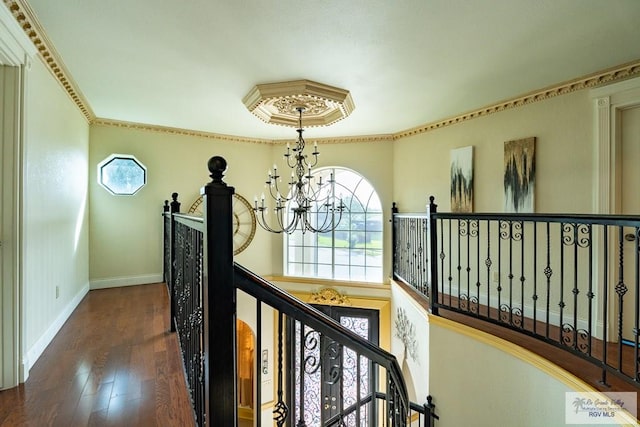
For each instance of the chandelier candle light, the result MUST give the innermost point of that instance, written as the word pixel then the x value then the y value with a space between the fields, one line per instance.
pixel 314 206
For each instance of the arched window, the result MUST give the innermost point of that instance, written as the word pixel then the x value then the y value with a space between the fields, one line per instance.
pixel 351 252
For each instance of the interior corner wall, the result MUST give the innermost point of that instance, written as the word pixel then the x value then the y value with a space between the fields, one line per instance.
pixel 126 231
pixel 564 151
pixel 55 254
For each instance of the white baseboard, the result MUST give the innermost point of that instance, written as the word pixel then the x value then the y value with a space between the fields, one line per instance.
pixel 116 282
pixel 34 353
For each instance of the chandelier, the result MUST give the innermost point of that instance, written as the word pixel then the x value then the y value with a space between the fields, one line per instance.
pixel 306 204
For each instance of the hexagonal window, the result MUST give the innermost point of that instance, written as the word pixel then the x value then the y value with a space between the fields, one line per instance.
pixel 122 174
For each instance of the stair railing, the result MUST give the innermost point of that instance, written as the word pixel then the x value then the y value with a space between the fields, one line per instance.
pixel 570 280
pixel 326 375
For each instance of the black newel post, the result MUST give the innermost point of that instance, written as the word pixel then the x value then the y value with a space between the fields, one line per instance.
pixel 171 208
pixel 175 204
pixel 429 414
pixel 432 210
pixel 219 300
pixel 394 241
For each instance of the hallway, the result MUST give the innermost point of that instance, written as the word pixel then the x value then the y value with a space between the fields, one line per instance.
pixel 113 363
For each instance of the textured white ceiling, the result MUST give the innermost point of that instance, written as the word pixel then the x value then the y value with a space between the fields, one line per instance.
pixel 188 64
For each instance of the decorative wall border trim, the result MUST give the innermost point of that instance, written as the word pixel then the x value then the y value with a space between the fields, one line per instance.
pixel 597 79
pixel 329 296
pixel 178 131
pixel 27 20
pixel 25 16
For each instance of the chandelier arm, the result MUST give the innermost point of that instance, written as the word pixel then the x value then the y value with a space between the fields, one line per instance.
pixel 262 222
pixel 303 194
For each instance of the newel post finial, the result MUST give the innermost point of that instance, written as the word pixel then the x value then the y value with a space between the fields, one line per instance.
pixel 217 166
pixel 175 204
pixel 432 207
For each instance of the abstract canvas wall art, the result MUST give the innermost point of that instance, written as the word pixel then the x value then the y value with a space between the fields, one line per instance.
pixel 462 179
pixel 519 175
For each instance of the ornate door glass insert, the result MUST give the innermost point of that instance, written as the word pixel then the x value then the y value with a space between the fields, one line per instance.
pixel 330 375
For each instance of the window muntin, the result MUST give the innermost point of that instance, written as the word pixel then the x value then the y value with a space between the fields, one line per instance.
pixel 122 174
pixel 351 252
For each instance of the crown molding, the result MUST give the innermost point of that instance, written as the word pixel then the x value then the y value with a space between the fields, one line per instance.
pixel 178 131
pixel 600 78
pixel 232 138
pixel 26 18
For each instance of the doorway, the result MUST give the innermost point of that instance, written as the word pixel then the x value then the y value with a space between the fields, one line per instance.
pixel 333 377
pixel 9 158
pixel 629 123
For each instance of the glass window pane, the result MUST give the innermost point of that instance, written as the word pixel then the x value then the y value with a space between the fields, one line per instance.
pixel 373 240
pixel 295 269
pixel 374 258
pixel 356 244
pixel 357 239
pixel 358 274
pixel 325 240
pixel 295 253
pixel 310 255
pixel 309 270
pixel 342 272
pixel 325 271
pixel 358 257
pixel 325 255
pixel 122 174
pixel 373 274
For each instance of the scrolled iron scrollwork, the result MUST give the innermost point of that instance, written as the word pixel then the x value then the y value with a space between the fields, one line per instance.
pixel 584 341
pixel 333 357
pixel 468 228
pixel 576 234
pixel 568 335
pixel 517 317
pixel 280 412
pixel 464 302
pixel 474 305
pixel 511 315
pixel 311 342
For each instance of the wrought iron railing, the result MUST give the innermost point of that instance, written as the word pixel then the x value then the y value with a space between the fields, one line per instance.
pixel 326 375
pixel 572 281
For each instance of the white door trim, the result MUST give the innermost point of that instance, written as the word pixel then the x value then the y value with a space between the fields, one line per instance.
pixel 609 102
pixel 16 53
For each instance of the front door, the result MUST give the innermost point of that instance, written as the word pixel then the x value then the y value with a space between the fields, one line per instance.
pixel 333 378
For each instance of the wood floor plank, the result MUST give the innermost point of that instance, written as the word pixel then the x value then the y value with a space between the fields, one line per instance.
pixel 110 365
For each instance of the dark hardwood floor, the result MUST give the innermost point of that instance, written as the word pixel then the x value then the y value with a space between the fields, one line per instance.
pixel 113 363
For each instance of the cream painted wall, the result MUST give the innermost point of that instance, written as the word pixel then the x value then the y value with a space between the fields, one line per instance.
pixel 178 163
pixel 126 231
pixel 472 381
pixel 564 157
pixel 415 369
pixel 55 221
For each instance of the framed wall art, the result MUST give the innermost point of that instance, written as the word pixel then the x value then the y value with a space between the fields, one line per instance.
pixel 462 179
pixel 519 175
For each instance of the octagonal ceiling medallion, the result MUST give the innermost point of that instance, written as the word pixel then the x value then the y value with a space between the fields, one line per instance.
pixel 277 103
